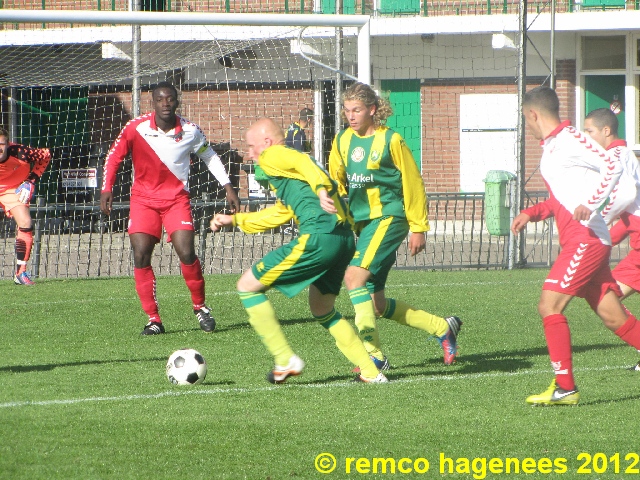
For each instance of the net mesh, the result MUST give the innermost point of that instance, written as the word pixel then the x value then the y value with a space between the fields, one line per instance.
pixel 70 90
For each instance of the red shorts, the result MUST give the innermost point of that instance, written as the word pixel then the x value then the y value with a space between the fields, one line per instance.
pixel 628 270
pixel 149 216
pixel 582 270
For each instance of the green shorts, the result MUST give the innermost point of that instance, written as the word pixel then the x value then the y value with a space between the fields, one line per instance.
pixel 319 259
pixel 378 242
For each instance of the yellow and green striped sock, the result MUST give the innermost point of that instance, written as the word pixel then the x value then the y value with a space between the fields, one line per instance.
pixel 366 320
pixel 348 342
pixel 402 313
pixel 262 318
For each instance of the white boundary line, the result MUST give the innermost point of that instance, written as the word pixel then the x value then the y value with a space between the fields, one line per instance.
pixel 222 391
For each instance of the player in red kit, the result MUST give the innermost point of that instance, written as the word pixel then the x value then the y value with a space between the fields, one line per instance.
pixel 20 168
pixel 580 176
pixel 161 144
pixel 602 125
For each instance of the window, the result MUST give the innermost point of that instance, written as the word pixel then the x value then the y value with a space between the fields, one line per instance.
pixel 152 5
pixel 603 53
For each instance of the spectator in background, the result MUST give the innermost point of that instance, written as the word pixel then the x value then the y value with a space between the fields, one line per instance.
pixel 296 137
pixel 161 144
pixel 20 168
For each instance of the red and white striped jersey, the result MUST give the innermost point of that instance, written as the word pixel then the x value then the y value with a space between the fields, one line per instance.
pixel 161 160
pixel 577 172
pixel 626 195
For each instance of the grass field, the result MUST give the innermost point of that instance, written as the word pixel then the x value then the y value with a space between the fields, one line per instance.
pixel 84 396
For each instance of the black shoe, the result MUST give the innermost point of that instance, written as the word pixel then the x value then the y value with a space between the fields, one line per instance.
pixel 207 322
pixel 153 328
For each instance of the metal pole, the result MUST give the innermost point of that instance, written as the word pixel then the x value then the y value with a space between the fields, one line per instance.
pixel 318 144
pixel 552 80
pixel 135 64
pixel 338 53
pixel 38 227
pixel 13 115
pixel 516 242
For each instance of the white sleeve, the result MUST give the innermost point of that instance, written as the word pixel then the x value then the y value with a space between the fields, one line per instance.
pixel 214 164
pixel 203 150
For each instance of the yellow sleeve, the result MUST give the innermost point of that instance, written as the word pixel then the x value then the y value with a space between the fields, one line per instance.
pixel 415 198
pixel 281 161
pixel 262 220
pixel 337 170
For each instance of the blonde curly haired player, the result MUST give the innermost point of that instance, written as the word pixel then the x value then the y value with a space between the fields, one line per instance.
pixel 373 166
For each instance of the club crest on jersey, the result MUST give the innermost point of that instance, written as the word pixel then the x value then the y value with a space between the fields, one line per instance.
pixel 375 156
pixel 357 155
pixel 178 136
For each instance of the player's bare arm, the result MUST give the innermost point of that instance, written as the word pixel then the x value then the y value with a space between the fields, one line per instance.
pixel 232 198
pixel 582 213
pixel 417 243
pixel 220 220
pixel 519 222
pixel 326 202
pixel 106 201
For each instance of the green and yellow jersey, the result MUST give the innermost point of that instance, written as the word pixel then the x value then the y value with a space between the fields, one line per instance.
pixel 295 179
pixel 380 176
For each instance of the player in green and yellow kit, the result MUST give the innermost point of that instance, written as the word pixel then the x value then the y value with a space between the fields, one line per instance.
pixel 375 168
pixel 317 258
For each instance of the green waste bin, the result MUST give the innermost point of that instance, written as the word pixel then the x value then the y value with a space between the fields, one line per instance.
pixel 497 201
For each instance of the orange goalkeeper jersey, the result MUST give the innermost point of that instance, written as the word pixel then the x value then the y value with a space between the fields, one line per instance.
pixel 22 163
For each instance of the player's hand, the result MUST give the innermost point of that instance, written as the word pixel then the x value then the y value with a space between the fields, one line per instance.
pixel 220 220
pixel 25 191
pixel 519 222
pixel 417 243
pixel 326 202
pixel 106 201
pixel 232 198
pixel 582 213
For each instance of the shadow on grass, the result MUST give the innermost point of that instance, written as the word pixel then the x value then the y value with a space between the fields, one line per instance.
pixel 51 366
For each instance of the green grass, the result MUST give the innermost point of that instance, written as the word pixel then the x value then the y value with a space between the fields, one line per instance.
pixel 84 396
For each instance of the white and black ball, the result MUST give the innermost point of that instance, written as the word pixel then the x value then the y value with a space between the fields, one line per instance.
pixel 186 367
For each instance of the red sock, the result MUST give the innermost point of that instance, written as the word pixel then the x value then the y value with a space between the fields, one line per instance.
pixel 558 335
pixel 146 288
pixel 195 282
pixel 630 332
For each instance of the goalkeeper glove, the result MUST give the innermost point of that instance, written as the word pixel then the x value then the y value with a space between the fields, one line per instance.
pixel 25 191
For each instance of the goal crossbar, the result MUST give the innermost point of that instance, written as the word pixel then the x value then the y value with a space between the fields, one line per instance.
pixel 361 22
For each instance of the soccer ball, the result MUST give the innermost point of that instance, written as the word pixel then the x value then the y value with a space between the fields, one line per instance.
pixel 186 367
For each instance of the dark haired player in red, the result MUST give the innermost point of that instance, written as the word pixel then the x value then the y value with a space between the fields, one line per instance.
pixel 20 168
pixel 580 176
pixel 161 144
pixel 602 125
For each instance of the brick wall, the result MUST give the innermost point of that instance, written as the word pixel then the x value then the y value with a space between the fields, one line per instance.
pixel 441 126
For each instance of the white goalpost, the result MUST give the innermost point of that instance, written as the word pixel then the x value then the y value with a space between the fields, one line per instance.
pixel 72 79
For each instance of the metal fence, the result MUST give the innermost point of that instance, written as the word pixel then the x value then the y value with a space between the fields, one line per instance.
pixel 79 241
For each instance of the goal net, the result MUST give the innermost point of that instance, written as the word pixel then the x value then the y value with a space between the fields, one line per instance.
pixel 72 80
pixel 71 87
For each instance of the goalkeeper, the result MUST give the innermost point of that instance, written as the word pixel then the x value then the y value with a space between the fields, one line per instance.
pixel 20 169
pixel 317 258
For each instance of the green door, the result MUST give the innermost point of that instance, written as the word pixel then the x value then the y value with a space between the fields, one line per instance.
pixel 404 96
pixel 606 91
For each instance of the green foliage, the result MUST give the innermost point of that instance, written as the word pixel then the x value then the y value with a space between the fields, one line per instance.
pixel 84 396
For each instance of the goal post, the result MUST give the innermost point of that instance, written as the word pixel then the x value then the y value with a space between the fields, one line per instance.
pixel 67 83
